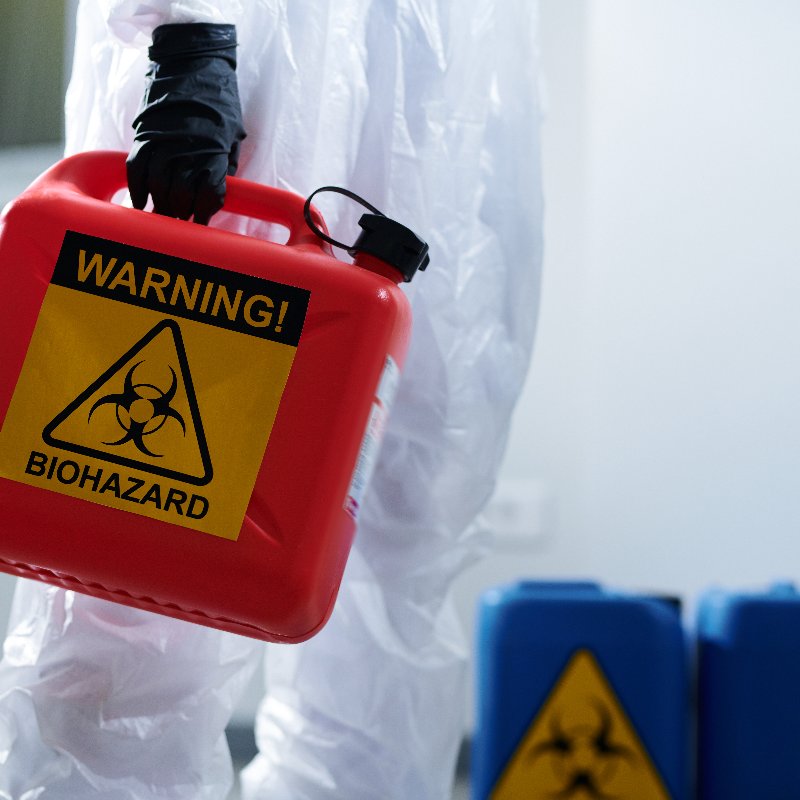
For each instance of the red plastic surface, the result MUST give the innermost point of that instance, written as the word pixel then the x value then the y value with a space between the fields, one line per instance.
pixel 279 579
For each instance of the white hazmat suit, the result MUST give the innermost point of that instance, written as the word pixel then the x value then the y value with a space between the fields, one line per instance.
pixel 429 109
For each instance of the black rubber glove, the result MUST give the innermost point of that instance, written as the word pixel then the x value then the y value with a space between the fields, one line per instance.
pixel 190 126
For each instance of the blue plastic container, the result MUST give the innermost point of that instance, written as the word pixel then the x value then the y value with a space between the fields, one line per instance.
pixel 581 692
pixel 749 695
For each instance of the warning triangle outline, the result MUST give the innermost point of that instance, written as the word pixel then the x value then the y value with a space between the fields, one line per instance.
pixel 186 376
pixel 580 660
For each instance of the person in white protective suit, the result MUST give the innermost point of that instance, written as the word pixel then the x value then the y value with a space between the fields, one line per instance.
pixel 428 109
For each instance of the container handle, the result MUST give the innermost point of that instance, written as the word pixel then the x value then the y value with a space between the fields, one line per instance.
pixel 101 173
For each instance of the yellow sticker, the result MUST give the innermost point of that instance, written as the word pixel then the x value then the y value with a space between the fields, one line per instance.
pixel 581 745
pixel 151 384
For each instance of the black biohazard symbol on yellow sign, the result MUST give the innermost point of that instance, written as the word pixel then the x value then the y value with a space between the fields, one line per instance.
pixel 583 754
pixel 580 746
pixel 131 414
pixel 141 410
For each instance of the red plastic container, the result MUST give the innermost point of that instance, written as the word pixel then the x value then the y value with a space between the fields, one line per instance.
pixel 188 415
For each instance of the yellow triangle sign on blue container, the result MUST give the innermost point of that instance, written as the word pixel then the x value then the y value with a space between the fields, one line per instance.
pixel 581 746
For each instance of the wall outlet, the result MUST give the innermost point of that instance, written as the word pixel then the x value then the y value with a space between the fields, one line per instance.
pixel 521 512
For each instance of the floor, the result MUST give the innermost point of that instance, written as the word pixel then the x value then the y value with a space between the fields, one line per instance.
pixel 460 792
pixel 243 747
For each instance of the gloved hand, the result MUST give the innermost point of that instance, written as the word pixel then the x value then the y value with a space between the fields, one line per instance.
pixel 190 126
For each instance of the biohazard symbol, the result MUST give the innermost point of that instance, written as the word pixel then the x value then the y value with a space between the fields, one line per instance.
pixel 580 746
pixel 138 414
pixel 584 755
pixel 142 412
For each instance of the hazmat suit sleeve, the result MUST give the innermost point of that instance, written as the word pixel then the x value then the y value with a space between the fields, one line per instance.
pixel 429 109
pixel 133 22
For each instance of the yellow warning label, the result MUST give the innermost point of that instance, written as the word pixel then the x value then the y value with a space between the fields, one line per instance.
pixel 580 746
pixel 164 416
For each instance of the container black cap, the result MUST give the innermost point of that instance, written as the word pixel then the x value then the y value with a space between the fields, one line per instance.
pixel 392 243
pixel 671 600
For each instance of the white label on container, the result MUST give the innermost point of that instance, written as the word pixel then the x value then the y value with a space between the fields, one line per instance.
pixel 370 444
pixel 387 387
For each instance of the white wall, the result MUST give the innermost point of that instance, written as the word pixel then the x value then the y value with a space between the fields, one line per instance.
pixel 663 409
pixel 31 71
pixel 692 424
